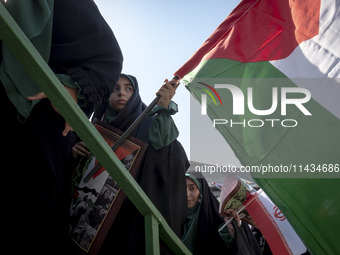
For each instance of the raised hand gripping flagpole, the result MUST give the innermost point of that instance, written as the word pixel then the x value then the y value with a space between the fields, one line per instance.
pixel 127 133
pixel 242 208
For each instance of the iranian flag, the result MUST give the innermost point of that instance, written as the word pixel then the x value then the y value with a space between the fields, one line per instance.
pixel 268 79
pixel 274 226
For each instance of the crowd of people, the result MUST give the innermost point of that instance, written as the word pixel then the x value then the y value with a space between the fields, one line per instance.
pixel 82 51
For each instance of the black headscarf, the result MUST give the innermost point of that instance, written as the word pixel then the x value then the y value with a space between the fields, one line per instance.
pixel 133 108
pixel 161 176
pixel 207 238
pixel 84 47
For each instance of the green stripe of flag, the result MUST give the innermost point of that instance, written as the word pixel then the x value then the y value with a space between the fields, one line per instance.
pixel 311 205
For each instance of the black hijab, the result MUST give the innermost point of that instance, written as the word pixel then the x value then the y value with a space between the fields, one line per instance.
pixel 162 177
pixel 84 47
pixel 133 108
pixel 207 238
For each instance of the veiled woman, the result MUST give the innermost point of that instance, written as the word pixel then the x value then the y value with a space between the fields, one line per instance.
pixel 161 174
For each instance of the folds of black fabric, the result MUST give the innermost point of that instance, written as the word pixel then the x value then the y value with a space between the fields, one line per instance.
pixel 162 177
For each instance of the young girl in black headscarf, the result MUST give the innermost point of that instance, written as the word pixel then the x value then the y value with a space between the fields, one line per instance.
pixel 161 174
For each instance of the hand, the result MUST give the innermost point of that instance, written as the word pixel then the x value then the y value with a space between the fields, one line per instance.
pixel 42 95
pixel 80 149
pixel 232 213
pixel 167 91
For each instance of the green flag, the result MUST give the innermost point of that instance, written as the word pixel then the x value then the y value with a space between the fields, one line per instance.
pixel 268 79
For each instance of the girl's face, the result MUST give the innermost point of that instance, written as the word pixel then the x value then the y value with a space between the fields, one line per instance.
pixel 121 94
pixel 192 193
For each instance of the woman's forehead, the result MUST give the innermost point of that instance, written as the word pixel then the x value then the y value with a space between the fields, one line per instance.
pixel 124 81
pixel 190 182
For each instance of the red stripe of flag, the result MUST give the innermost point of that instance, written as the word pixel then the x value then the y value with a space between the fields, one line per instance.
pixel 243 37
pixel 265 222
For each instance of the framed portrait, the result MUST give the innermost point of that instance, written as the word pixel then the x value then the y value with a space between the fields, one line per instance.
pixel 96 202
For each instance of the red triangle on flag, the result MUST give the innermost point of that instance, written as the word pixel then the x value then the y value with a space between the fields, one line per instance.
pixel 121 153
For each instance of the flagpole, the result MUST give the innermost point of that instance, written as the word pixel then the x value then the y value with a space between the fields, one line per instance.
pixel 217 187
pixel 241 209
pixel 128 132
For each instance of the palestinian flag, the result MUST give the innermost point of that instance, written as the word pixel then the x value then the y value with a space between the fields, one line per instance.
pixel 268 79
